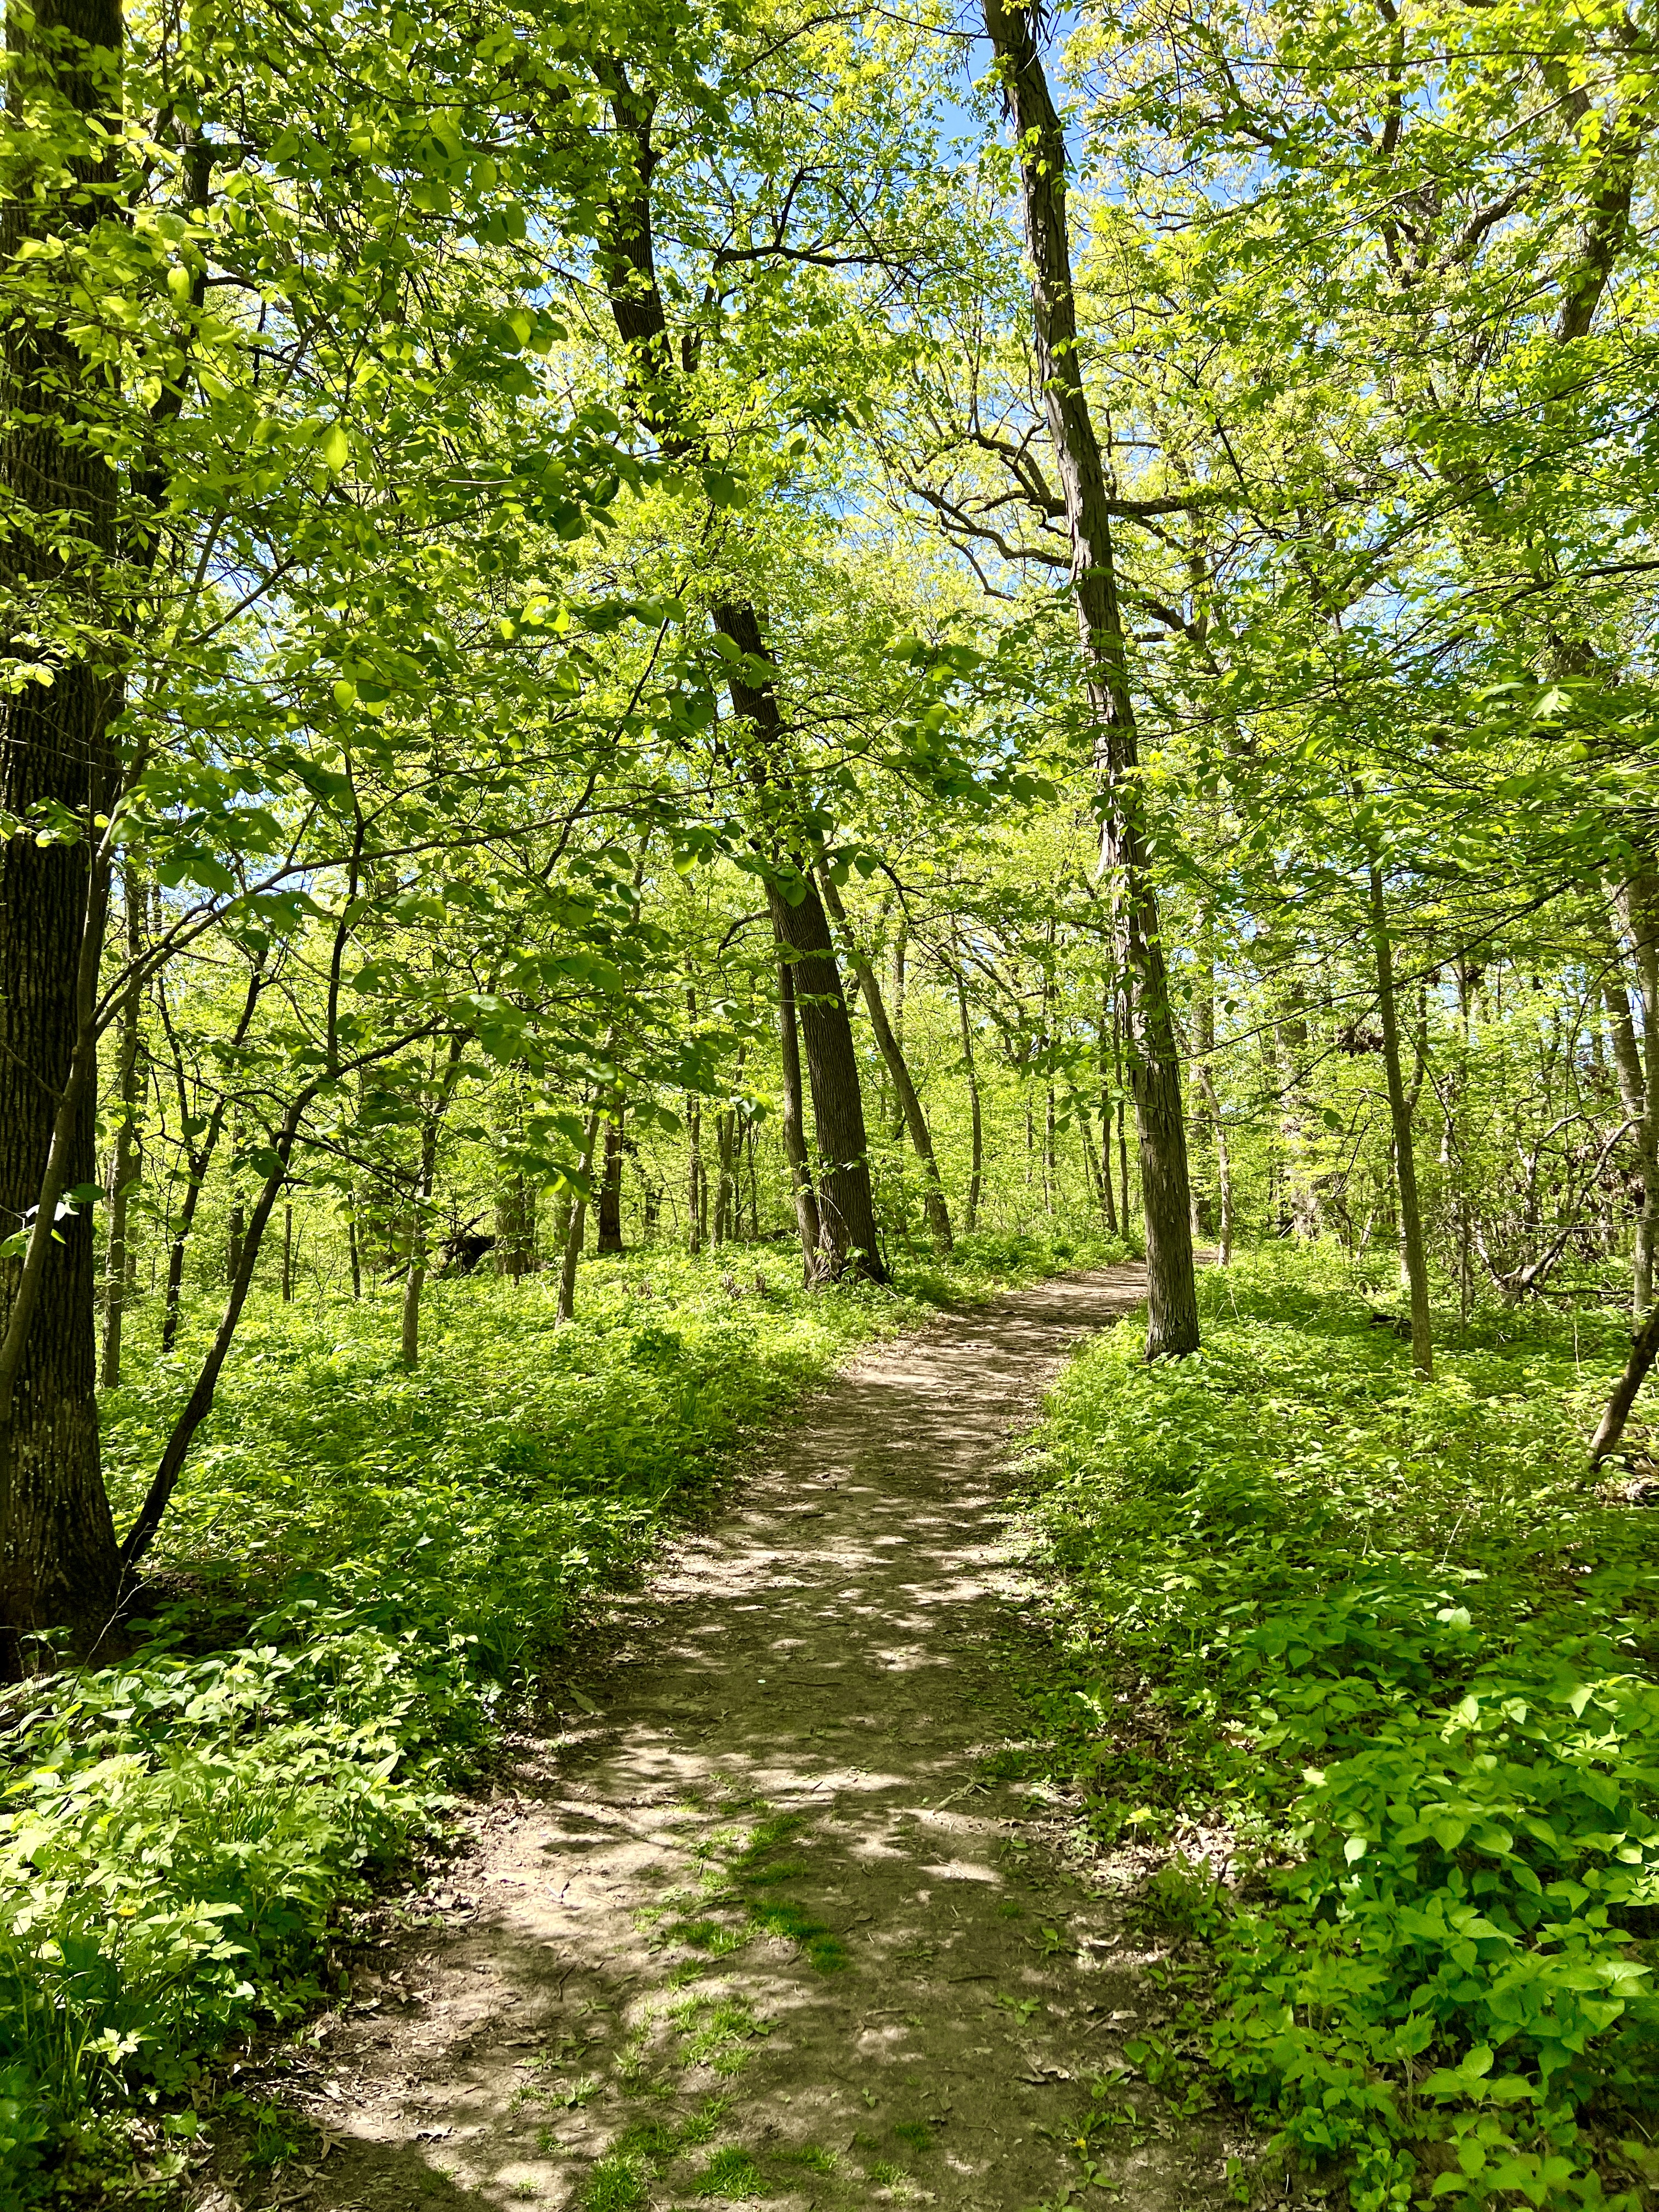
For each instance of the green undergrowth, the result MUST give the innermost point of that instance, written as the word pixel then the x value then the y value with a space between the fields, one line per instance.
pixel 1389 1647
pixel 362 1567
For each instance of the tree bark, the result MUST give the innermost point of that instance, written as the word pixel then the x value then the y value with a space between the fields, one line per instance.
pixel 1638 913
pixel 795 1131
pixel 434 1107
pixel 847 1217
pixel 932 1192
pixel 1154 1067
pixel 609 1238
pixel 198 1156
pixel 58 1565
pixel 1643 1351
pixel 118 1256
pixel 975 1119
pixel 1399 1115
pixel 572 1242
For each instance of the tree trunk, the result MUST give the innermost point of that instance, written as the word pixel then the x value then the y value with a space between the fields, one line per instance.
pixel 1108 1106
pixel 198 1156
pixel 900 938
pixel 435 1106
pixel 353 1254
pixel 932 1192
pixel 1639 905
pixel 1399 1115
pixel 795 1135
pixel 609 1238
pixel 975 1121
pixel 287 1255
pixel 58 1565
pixel 573 1243
pixel 1154 1069
pixel 847 1217
pixel 694 1179
pixel 117 1250
pixel 628 265
pixel 236 1231
pixel 1643 1351
pixel 515 1228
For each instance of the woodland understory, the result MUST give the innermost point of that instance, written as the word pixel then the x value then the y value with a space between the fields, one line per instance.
pixel 682 682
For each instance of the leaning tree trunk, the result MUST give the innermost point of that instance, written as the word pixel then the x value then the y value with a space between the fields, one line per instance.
pixel 933 1191
pixel 847 1214
pixel 58 1565
pixel 1154 1066
pixel 1404 1154
pixel 1643 1352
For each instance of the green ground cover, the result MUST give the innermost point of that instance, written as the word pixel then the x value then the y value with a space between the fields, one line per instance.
pixel 362 1571
pixel 1387 1650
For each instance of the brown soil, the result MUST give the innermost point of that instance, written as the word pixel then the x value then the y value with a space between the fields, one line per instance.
pixel 762 1921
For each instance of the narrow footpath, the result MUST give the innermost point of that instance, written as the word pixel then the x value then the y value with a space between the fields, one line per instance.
pixel 762 1922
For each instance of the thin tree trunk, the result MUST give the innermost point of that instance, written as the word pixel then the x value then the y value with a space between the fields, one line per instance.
pixel 415 1281
pixel 1154 1067
pixel 1400 1113
pixel 1223 1166
pixel 59 1564
pixel 1643 1351
pixel 932 1192
pixel 235 1238
pixel 354 1253
pixel 976 1120
pixel 795 1135
pixel 1108 1096
pixel 117 1253
pixel 1122 1112
pixel 287 1255
pixel 901 936
pixel 694 1201
pixel 1640 914
pixel 725 1133
pixel 199 1404
pixel 573 1243
pixel 846 1215
pixel 198 1157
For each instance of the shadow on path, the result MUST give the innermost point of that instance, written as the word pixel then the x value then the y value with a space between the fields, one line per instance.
pixel 763 1923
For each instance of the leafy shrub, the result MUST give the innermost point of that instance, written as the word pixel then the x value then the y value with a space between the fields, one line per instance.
pixel 1395 1637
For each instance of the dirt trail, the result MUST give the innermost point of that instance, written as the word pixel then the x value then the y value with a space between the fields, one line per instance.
pixel 762 1922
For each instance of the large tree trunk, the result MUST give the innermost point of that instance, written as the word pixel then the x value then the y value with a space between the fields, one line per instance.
pixel 933 1191
pixel 1399 1115
pixel 1154 1067
pixel 847 1217
pixel 58 1565
pixel 609 1238
pixel 794 1127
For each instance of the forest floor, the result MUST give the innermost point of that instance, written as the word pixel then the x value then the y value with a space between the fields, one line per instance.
pixel 760 1919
